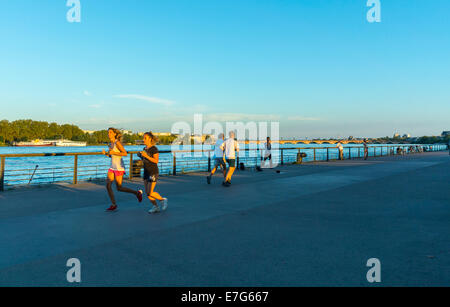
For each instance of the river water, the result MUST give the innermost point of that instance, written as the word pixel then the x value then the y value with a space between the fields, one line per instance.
pixel 19 171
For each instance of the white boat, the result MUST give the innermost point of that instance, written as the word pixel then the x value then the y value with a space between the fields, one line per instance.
pixel 67 143
pixel 35 143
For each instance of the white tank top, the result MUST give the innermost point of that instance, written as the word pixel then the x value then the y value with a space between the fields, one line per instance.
pixel 116 161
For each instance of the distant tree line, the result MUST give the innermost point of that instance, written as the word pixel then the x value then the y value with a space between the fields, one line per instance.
pixel 29 130
pixel 433 139
pixel 419 140
pixel 134 138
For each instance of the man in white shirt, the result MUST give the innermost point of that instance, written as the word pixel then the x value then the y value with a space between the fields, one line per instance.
pixel 218 159
pixel 230 147
pixel 341 150
pixel 267 153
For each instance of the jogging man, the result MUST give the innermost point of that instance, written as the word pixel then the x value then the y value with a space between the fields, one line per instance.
pixel 230 147
pixel 218 159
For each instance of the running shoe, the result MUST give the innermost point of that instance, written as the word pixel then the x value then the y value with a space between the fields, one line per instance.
pixel 208 179
pixel 139 195
pixel 154 210
pixel 165 202
pixel 112 209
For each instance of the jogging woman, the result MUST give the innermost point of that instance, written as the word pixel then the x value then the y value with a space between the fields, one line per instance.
pixel 150 156
pixel 117 169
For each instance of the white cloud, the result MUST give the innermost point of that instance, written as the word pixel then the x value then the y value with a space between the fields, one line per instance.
pixel 95 106
pixel 87 93
pixel 147 99
pixel 301 118
pixel 98 122
pixel 222 117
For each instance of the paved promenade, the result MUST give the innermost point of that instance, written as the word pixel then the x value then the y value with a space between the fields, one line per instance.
pixel 310 225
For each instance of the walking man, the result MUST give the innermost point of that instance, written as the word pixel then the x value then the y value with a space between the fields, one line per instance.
pixel 218 159
pixel 366 150
pixel 267 152
pixel 230 147
pixel 341 150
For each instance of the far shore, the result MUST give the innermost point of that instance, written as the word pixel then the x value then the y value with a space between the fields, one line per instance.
pixel 129 144
pixel 90 145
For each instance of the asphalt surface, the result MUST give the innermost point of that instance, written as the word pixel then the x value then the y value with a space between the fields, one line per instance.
pixel 310 225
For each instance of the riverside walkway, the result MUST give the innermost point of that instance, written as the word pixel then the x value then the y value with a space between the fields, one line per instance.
pixel 310 225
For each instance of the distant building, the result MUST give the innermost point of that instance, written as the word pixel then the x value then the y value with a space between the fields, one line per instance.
pixel 396 135
pixel 202 138
pixel 126 132
pixel 445 134
pixel 210 138
pixel 406 136
pixel 158 134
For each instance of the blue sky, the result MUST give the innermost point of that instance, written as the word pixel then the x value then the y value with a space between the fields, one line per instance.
pixel 316 66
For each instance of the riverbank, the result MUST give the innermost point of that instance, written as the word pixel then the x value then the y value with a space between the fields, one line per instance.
pixel 314 225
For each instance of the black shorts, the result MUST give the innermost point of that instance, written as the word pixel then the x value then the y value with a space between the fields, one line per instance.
pixel 269 157
pixel 219 162
pixel 150 177
pixel 231 162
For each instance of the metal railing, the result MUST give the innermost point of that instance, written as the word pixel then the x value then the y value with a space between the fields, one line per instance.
pixel 175 162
